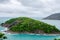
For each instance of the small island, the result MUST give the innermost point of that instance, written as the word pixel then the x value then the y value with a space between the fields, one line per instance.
pixel 29 25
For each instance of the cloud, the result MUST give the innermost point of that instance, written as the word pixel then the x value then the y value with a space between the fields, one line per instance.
pixel 4 1
pixel 43 5
pixel 30 8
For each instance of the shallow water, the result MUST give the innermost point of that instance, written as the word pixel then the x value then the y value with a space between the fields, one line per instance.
pixel 31 36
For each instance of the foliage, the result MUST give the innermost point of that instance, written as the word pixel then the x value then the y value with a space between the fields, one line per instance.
pixel 29 25
pixel 3 36
pixel 10 21
pixel 56 39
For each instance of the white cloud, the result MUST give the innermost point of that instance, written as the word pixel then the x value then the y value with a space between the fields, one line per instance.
pixel 30 8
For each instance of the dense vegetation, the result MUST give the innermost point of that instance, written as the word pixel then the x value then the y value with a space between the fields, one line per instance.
pixel 2 36
pixel 30 25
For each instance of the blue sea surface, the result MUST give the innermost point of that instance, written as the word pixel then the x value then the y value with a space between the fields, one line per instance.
pixel 31 36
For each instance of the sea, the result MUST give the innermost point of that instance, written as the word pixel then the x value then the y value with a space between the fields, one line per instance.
pixel 30 36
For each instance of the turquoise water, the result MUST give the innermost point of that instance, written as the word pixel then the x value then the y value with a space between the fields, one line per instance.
pixel 31 36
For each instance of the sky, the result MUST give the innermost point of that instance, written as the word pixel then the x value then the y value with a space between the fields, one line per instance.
pixel 29 8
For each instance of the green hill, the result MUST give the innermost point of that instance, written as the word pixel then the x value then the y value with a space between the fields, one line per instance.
pixel 25 24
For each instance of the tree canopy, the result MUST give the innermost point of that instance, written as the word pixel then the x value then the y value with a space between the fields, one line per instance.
pixel 30 25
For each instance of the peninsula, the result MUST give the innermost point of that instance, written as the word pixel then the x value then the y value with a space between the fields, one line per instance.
pixel 55 16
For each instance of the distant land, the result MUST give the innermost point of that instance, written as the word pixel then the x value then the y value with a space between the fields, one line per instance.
pixel 54 16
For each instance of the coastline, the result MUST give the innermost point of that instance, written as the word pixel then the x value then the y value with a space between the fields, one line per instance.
pixel 6 30
pixel 32 33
